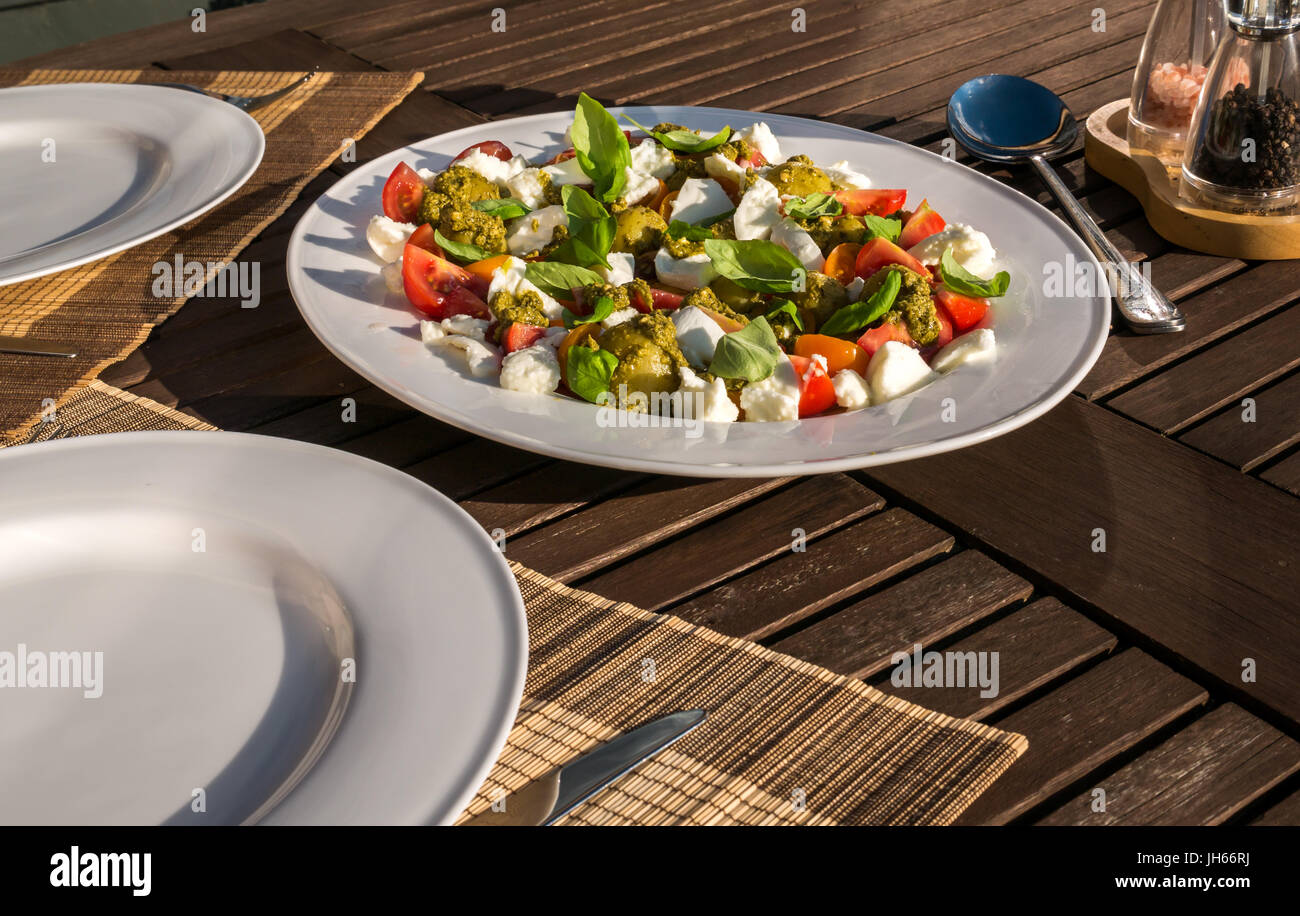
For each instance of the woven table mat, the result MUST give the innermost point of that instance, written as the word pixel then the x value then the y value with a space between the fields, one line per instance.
pixel 786 742
pixel 107 308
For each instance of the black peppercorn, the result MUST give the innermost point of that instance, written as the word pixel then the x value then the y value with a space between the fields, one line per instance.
pixel 1251 143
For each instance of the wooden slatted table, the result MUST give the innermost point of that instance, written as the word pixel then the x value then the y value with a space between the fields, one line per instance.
pixel 1124 667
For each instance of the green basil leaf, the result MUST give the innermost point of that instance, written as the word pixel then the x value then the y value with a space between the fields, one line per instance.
pixel 813 206
pixel 960 280
pixel 685 141
pixel 751 353
pixel 764 267
pixel 714 220
pixel 591 230
pixel 680 229
pixel 503 207
pixel 461 251
pixel 558 279
pixel 857 315
pixel 882 227
pixel 589 372
pixel 603 308
pixel 601 147
pixel 785 307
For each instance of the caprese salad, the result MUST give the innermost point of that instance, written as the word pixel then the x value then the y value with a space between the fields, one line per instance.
pixel 649 261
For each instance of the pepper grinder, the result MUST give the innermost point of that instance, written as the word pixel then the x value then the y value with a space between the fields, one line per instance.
pixel 1243 149
pixel 1174 63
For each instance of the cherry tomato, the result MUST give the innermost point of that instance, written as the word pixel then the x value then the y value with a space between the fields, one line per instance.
pixel 437 288
pixel 875 338
pixel 965 311
pixel 920 226
pixel 839 354
pixel 878 252
pixel 403 194
pixel 945 330
pixel 841 260
pixel 816 392
pixel 518 336
pixel 423 238
pixel 485 268
pixel 876 201
pixel 494 148
pixel 755 160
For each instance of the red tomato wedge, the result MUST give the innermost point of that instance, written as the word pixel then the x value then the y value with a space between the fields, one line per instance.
pixel 879 252
pixel 403 193
pixel 876 201
pixel 877 337
pixel 923 224
pixel 755 160
pixel 423 238
pixel 494 148
pixel 816 392
pixel 965 311
pixel 945 330
pixel 438 288
pixel 518 336
pixel 661 300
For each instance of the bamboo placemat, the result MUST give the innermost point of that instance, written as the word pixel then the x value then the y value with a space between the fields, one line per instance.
pixel 786 742
pixel 107 308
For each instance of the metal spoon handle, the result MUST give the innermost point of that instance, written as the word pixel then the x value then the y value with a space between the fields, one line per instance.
pixel 1145 308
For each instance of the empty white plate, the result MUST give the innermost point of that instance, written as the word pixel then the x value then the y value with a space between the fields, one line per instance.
pixel 223 628
pixel 90 169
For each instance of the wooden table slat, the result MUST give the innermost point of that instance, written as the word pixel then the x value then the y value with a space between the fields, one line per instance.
pixel 1182 394
pixel 693 561
pixel 1285 474
pixel 859 640
pixel 1273 427
pixel 1035 645
pixel 1082 725
pixel 1202 775
pixel 831 569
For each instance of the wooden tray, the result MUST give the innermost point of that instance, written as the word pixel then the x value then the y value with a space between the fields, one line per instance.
pixel 1233 235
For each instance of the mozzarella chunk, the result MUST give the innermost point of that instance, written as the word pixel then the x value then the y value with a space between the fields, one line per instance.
pixel 387 237
pixel 649 158
pixel 970 248
pixel 719 166
pixel 793 237
pixel 697 335
pixel 527 188
pixel 619 317
pixel 760 136
pixel 704 400
pixel 895 370
pixel 534 230
pixel 392 274
pixel 466 326
pixel 842 176
pixel 621 269
pixel 639 186
pixel 971 348
pixel 490 167
pixel 700 199
pixel 851 391
pixel 554 337
pixel 510 278
pixel 534 369
pixel 431 331
pixel 481 358
pixel 855 287
pixel 775 397
pixel 684 273
pixel 758 212
pixel 427 176
pixel 567 172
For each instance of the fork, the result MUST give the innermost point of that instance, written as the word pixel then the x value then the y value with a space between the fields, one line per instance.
pixel 244 102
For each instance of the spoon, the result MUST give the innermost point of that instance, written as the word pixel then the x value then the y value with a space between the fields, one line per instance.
pixel 1002 118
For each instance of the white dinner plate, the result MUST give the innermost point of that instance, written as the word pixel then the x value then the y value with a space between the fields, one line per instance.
pixel 91 169
pixel 289 634
pixel 1045 343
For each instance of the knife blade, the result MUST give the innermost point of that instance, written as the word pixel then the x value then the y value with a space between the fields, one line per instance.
pixel 546 800
pixel 33 347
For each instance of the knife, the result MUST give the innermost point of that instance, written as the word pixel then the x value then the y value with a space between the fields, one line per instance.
pixel 34 347
pixel 546 800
